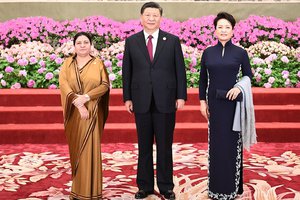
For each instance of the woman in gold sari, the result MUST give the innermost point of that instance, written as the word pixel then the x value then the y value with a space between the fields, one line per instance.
pixel 84 86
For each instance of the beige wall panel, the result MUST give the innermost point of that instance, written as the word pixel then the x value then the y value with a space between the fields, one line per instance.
pixel 123 11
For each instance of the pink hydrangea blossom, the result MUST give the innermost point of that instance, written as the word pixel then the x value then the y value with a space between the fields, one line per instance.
pixel 30 83
pixel 52 86
pixel 120 56
pixel 23 73
pixel 268 71
pixel 53 56
pixel 3 82
pixel 258 61
pixel 23 62
pixel 284 59
pixel 120 63
pixel 49 76
pixel 59 60
pixel 193 62
pixel 112 77
pixel 41 70
pixel 285 74
pixel 42 63
pixel 107 63
pixel 10 59
pixel 271 79
pixel 267 85
pixel 9 69
pixel 33 60
pixel 258 78
pixel 16 86
pixel 287 82
pixel 193 70
pixel 270 58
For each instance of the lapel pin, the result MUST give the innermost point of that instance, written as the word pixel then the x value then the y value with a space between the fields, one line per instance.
pixel 164 38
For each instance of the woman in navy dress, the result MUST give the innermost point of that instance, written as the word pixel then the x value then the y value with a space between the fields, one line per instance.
pixel 220 68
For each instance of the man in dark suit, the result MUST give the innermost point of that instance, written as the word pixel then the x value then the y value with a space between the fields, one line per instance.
pixel 154 87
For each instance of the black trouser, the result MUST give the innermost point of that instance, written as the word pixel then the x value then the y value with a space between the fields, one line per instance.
pixel 161 126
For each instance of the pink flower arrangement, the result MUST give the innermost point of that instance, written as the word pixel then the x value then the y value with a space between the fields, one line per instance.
pixel 31 51
pixel 198 32
pixel 29 59
pixel 29 29
pixel 271 50
pixel 258 28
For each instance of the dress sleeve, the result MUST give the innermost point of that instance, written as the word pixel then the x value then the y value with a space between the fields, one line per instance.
pixel 203 78
pixel 67 94
pixel 246 67
pixel 103 87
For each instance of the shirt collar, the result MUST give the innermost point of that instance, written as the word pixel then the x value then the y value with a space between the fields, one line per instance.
pixel 154 35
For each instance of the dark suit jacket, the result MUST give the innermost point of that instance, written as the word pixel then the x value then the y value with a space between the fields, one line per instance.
pixel 164 78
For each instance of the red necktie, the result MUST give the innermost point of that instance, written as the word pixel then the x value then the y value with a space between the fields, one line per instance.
pixel 150 47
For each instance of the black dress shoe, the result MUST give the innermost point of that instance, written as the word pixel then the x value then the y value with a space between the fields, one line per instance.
pixel 169 195
pixel 141 194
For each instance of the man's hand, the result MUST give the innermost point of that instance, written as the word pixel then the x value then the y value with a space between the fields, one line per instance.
pixel 129 106
pixel 204 109
pixel 180 104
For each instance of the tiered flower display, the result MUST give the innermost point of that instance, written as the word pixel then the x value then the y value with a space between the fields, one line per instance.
pixel 275 64
pixel 32 49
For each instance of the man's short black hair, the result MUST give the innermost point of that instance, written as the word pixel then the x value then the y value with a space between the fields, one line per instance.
pixel 224 15
pixel 152 4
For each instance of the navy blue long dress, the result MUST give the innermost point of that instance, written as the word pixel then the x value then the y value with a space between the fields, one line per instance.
pixel 220 67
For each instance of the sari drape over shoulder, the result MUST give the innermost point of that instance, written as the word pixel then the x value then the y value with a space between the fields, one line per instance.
pixel 84 136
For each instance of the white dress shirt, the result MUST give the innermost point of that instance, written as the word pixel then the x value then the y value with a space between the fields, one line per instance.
pixel 154 40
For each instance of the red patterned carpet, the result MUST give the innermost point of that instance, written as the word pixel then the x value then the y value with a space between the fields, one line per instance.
pixel 42 171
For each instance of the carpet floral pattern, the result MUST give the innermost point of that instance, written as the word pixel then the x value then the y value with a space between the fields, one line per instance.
pixel 36 171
